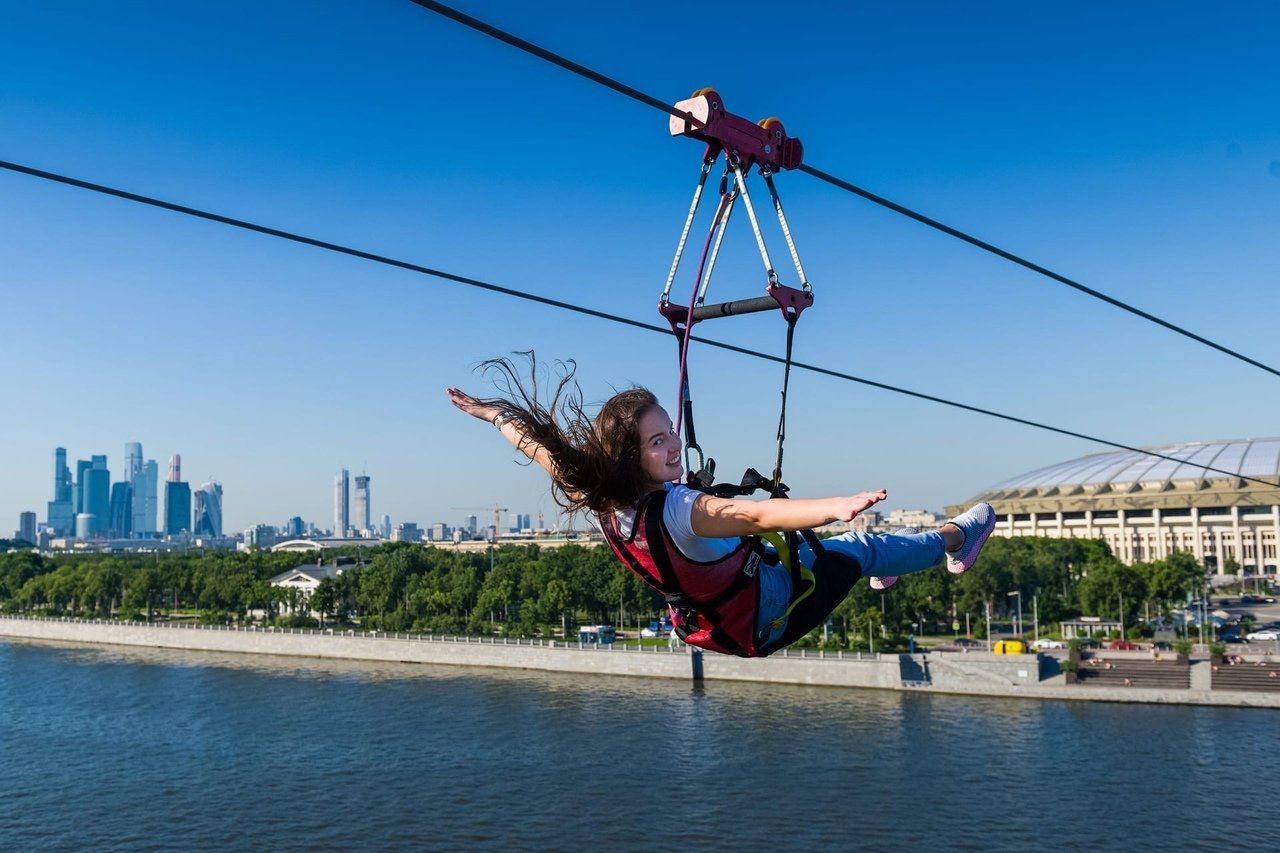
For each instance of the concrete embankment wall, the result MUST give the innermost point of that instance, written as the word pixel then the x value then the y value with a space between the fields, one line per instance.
pixel 975 673
pixel 834 669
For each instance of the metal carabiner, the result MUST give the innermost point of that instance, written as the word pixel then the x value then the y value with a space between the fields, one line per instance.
pixel 704 474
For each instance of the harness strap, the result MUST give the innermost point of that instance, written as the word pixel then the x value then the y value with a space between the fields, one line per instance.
pixel 667 583
pixel 782 415
pixel 652 514
pixel 803 581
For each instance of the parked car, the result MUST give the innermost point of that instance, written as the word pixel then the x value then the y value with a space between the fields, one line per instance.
pixel 961 644
pixel 1010 647
pixel 1088 643
pixel 1123 646
pixel 1263 635
pixel 1046 643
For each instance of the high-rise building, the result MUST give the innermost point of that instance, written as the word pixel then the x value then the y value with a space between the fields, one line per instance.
pixel 386 526
pixel 207 502
pixel 132 471
pixel 142 476
pixel 77 488
pixel 177 499
pixel 95 494
pixel 295 528
pixel 341 504
pixel 61 514
pixel 132 461
pixel 260 536
pixel 363 520
pixel 150 499
pixel 177 508
pixel 27 527
pixel 120 525
pixel 61 475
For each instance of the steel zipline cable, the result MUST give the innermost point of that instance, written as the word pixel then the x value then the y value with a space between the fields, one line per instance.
pixel 566 306
pixel 650 101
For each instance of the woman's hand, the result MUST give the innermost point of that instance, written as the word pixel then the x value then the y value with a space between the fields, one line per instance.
pixel 472 406
pixel 849 508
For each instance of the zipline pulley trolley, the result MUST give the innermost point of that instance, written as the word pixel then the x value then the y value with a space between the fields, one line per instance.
pixel 765 146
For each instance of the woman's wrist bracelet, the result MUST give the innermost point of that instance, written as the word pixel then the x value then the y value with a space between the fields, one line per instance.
pixel 501 419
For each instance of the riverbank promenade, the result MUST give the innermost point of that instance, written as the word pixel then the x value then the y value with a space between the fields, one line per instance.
pixel 972 673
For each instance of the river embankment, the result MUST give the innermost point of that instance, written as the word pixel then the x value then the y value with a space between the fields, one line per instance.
pixel 972 673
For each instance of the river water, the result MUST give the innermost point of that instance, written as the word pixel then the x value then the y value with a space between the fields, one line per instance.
pixel 142 750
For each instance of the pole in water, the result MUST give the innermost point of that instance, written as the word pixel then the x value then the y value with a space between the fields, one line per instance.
pixel 695 658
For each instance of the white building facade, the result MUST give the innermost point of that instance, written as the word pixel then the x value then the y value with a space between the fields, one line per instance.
pixel 1146 508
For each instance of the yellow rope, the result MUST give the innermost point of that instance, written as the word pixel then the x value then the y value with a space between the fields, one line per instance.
pixel 779 543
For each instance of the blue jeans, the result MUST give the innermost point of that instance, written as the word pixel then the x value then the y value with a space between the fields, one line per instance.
pixel 884 555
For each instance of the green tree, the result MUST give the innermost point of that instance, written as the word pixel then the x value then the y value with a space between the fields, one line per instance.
pixel 1110 585
pixel 143 591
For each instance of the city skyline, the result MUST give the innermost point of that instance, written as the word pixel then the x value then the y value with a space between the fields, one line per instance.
pixel 200 511
pixel 1140 157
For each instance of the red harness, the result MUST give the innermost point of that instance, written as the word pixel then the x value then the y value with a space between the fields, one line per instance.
pixel 713 605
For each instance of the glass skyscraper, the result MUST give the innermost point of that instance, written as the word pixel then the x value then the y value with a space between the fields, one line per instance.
pixel 143 476
pixel 208 510
pixel 61 517
pixel 95 494
pixel 132 461
pixel 120 525
pixel 363 520
pixel 341 504
pixel 177 507
pixel 177 499
pixel 77 488
pixel 27 527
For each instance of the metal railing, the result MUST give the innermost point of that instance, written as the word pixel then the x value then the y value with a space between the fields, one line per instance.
pixel 351 634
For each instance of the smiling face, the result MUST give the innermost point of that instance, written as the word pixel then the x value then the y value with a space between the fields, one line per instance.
pixel 660 450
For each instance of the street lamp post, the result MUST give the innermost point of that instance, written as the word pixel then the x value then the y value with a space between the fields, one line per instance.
pixel 1018 593
pixel 987 604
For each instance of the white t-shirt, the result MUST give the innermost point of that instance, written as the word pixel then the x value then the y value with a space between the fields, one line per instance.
pixel 677 516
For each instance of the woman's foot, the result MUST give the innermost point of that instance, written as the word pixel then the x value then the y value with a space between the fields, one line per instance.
pixel 884 583
pixel 975 525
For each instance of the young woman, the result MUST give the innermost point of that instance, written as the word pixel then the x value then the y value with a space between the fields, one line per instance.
pixel 727 592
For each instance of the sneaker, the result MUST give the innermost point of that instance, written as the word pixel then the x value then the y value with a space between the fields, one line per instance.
pixel 976 524
pixel 884 583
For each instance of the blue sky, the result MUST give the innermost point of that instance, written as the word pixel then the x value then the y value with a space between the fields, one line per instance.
pixel 1133 147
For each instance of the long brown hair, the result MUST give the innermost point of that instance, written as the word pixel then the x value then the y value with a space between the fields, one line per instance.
pixel 597 461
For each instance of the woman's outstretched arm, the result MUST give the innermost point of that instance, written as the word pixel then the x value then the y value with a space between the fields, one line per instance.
pixel 510 429
pixel 721 518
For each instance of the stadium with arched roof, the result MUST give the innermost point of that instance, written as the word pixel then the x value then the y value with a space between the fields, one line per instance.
pixel 1145 507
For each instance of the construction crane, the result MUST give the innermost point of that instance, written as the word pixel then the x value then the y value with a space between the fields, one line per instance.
pixel 496 509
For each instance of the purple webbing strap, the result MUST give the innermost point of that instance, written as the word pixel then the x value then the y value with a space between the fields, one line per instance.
pixel 688 322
